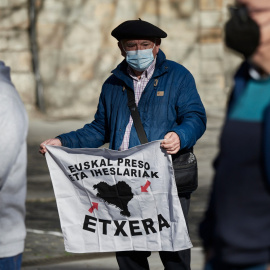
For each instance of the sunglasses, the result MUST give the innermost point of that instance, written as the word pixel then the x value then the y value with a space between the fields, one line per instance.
pixel 240 11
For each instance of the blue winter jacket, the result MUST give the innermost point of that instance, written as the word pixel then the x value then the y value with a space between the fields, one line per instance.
pixel 169 102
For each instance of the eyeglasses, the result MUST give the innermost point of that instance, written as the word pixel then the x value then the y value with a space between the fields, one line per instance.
pixel 141 45
pixel 240 11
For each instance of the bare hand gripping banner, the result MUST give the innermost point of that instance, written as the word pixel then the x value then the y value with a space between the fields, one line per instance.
pixel 117 200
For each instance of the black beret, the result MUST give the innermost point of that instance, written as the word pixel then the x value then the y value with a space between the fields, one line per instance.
pixel 137 29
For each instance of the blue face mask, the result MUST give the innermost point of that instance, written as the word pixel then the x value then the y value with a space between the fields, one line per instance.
pixel 140 60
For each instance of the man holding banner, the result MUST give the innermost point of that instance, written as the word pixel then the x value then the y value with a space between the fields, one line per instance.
pixel 170 110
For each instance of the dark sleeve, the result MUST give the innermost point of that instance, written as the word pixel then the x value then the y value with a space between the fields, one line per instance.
pixel 92 135
pixel 191 116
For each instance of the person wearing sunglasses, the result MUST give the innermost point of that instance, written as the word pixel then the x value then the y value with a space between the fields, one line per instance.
pixel 235 229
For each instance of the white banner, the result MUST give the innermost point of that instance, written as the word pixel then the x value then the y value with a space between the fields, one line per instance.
pixel 117 200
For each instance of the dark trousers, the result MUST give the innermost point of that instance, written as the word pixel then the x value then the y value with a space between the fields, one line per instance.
pixel 137 260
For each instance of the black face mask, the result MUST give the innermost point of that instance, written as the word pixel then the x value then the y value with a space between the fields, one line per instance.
pixel 242 34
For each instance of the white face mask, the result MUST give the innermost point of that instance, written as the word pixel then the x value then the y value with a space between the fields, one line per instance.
pixel 140 60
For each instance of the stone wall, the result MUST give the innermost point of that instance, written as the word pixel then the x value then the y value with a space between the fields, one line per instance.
pixel 15 47
pixel 216 65
pixel 76 51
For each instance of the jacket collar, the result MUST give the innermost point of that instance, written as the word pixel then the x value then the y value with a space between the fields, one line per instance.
pixel 241 77
pixel 121 70
pixel 240 80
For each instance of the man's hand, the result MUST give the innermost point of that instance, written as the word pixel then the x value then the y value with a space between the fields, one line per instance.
pixel 42 148
pixel 171 143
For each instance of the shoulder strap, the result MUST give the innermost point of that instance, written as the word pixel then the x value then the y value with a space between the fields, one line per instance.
pixel 136 116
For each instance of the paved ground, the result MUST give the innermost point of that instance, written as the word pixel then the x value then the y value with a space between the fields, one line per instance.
pixel 44 243
pixel 108 262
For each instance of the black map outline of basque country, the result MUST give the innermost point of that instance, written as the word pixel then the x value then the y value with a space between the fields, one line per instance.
pixel 118 195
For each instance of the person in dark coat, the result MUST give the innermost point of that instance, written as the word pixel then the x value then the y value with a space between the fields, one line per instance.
pixel 235 229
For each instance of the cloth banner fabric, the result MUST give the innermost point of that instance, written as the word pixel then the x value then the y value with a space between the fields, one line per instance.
pixel 111 200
